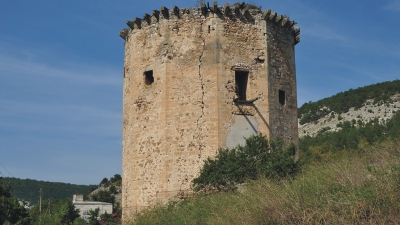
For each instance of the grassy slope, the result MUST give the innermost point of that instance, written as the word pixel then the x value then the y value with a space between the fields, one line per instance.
pixel 362 188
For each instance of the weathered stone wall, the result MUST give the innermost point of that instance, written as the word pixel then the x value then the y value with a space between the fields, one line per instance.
pixel 282 76
pixel 171 125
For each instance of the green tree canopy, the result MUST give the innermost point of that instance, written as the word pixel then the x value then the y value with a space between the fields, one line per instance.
pixel 11 210
pixel 258 158
pixel 57 212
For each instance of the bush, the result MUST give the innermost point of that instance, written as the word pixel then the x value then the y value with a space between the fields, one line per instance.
pixel 103 196
pixel 258 158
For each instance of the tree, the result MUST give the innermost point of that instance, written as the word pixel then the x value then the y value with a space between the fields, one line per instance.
pixel 103 196
pixel 94 214
pixel 67 212
pixel 11 211
pixel 109 219
pixel 104 181
pixel 57 212
pixel 112 189
pixel 259 157
pixel 116 178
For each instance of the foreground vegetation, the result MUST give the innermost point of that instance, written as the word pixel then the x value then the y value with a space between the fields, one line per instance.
pixel 259 157
pixel 361 187
pixel 326 144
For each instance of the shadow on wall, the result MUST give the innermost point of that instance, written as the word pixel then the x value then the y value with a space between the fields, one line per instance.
pixel 243 127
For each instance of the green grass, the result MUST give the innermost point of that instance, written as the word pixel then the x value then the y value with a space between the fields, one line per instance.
pixel 362 188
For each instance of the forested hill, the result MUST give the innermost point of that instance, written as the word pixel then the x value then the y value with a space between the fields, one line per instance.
pixel 28 189
pixel 345 123
pixel 376 103
pixel 342 102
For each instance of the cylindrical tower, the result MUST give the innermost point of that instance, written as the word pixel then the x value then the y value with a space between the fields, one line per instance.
pixel 196 80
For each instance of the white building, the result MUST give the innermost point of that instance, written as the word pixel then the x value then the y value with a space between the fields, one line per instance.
pixel 85 206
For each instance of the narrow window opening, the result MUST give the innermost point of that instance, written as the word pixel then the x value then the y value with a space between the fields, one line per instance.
pixel 209 28
pixel 241 84
pixel 148 77
pixel 282 97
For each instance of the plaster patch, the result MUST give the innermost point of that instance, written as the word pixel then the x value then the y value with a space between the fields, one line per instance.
pixel 243 127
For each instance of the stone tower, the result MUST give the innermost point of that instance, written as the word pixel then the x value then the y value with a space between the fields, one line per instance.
pixel 195 80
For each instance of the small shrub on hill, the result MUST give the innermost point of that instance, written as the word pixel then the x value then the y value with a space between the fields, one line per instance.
pixel 258 158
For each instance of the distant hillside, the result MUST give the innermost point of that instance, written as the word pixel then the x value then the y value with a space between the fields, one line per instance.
pixel 378 102
pixel 28 190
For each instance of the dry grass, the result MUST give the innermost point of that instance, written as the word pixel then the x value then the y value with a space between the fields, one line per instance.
pixel 362 189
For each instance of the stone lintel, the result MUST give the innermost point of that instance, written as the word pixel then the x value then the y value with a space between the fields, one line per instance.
pixel 241 67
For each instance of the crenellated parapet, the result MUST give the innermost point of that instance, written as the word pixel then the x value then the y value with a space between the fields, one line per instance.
pixel 243 12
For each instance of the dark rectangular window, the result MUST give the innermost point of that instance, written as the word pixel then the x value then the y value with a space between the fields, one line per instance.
pixel 148 77
pixel 282 97
pixel 241 84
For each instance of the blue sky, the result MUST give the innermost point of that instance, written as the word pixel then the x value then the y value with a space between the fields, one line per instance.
pixel 61 68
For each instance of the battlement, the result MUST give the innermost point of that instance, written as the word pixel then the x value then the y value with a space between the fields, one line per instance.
pixel 244 12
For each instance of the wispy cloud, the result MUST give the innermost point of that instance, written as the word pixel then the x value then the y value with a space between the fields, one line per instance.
pixel 32 117
pixel 393 6
pixel 39 96
pixel 71 71
pixel 359 75
pixel 324 33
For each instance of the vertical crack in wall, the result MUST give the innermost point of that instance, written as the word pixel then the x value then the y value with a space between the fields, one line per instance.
pixel 200 135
